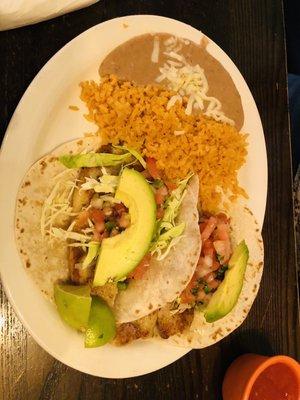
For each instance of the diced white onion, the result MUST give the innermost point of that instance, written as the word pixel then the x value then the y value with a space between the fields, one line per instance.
pixel 173 100
pixel 190 81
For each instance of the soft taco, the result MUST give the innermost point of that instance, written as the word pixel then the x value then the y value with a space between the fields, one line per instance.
pixel 126 254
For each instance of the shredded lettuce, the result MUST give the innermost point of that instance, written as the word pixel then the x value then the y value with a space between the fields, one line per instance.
pixel 94 160
pixel 175 200
pixel 167 233
pixel 135 154
pixel 93 252
pixel 167 240
pixel 104 184
pixel 62 234
pixel 57 206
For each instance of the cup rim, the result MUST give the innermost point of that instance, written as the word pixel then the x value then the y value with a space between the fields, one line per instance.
pixel 286 360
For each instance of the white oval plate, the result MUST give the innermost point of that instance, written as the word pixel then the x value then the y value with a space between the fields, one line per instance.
pixel 42 121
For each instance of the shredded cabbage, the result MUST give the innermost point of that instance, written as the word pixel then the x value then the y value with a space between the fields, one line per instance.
pixel 63 234
pixel 175 200
pixel 167 240
pixel 104 184
pixel 135 154
pixel 168 233
pixel 57 206
pixel 93 252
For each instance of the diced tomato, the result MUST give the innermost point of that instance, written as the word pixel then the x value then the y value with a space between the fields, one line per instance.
pixel 187 296
pixel 221 217
pixel 214 284
pixel 216 265
pixel 223 249
pixel 140 270
pixel 160 195
pixel 222 231
pixel 152 167
pixel 96 215
pixel 160 212
pixel 202 226
pixel 210 227
pixel 208 248
pixel 120 208
pixel 170 185
pixel 82 220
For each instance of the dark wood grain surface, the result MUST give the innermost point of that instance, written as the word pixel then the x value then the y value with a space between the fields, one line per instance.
pixel 252 33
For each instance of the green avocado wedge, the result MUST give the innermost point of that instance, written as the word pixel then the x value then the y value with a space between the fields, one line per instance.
pixel 95 160
pixel 226 297
pixel 119 255
pixel 101 325
pixel 73 304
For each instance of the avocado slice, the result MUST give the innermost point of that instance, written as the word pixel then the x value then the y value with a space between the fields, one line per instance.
pixel 101 325
pixel 119 255
pixel 226 297
pixel 94 160
pixel 73 304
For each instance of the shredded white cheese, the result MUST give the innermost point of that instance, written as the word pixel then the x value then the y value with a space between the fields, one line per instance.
pixel 57 206
pixel 155 51
pixel 188 81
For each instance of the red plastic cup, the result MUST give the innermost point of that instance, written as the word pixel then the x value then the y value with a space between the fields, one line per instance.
pixel 253 376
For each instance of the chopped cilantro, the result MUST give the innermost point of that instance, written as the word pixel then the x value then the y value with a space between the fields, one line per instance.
pixel 199 305
pixel 206 289
pixel 157 183
pixel 122 285
pixel 109 225
pixel 219 257
pixel 195 290
pixel 221 272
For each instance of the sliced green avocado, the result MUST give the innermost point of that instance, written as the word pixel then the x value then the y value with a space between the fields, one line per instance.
pixel 226 297
pixel 119 255
pixel 73 304
pixel 101 326
pixel 94 160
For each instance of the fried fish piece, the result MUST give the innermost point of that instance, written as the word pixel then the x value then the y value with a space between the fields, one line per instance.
pixel 169 324
pixel 78 275
pixel 139 329
pixel 107 292
pixel 82 198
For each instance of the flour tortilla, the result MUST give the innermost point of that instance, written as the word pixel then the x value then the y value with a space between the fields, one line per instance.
pixel 165 280
pixel 201 333
pixel 46 263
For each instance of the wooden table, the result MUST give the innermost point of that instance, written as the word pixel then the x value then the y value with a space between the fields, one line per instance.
pixel 252 33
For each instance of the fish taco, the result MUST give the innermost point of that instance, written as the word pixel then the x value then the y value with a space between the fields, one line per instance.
pixel 100 222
